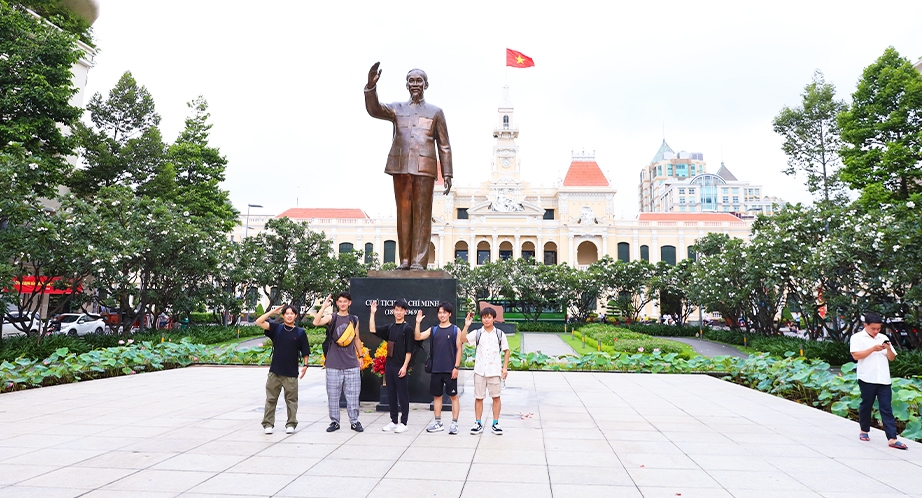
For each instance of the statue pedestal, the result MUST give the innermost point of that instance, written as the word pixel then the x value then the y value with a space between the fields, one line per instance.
pixel 423 291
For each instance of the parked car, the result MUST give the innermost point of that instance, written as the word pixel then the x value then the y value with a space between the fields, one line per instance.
pixel 14 325
pixel 78 324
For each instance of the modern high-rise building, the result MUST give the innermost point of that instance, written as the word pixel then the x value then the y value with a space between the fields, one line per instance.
pixel 680 183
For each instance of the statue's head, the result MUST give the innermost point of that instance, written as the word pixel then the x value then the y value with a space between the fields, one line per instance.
pixel 417 83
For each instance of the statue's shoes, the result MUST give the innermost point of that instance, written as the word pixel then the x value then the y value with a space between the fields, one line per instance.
pixel 416 266
pixel 404 266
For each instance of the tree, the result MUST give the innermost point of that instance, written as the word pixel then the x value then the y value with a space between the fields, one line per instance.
pixel 580 290
pixel 718 281
pixel 533 287
pixel 41 251
pixel 811 137
pixel 35 93
pixel 198 170
pixel 882 129
pixel 124 147
pixel 295 262
pixel 670 284
pixel 629 284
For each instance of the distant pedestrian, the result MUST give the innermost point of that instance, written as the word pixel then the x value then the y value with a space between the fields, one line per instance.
pixel 288 343
pixel 873 353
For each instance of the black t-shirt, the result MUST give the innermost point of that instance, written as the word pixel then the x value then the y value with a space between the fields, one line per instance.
pixel 288 344
pixel 401 334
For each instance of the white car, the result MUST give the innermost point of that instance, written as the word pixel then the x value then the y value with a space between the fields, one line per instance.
pixel 13 325
pixel 79 324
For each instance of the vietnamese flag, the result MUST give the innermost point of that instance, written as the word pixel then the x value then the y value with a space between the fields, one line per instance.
pixel 518 59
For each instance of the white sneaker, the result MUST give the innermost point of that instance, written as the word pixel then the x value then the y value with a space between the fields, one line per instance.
pixel 435 426
pixel 289 430
pixel 401 428
pixel 389 427
pixel 268 430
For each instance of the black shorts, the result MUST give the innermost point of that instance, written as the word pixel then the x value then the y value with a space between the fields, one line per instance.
pixel 440 381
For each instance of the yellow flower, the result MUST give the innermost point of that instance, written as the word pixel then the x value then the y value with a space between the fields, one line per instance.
pixel 382 350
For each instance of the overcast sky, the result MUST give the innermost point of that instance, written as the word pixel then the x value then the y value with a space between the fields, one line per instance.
pixel 284 82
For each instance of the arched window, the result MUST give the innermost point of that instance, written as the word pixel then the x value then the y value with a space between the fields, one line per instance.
pixel 667 254
pixel 461 250
pixel 691 253
pixel 645 253
pixel 506 122
pixel 369 252
pixel 624 251
pixel 345 247
pixel 390 251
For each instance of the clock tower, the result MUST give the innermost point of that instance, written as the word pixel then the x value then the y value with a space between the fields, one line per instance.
pixel 506 166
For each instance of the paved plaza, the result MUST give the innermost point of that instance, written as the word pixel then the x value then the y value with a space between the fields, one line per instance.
pixel 195 432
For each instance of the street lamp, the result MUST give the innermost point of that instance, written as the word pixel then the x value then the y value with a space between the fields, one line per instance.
pixel 247 227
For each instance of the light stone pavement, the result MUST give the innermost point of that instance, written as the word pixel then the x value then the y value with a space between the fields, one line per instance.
pixel 195 432
pixel 547 343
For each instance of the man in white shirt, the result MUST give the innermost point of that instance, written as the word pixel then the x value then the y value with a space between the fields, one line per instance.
pixel 873 352
pixel 489 342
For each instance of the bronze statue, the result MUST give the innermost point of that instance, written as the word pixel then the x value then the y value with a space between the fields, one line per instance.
pixel 419 128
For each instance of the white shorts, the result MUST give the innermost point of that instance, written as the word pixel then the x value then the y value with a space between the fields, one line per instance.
pixel 483 384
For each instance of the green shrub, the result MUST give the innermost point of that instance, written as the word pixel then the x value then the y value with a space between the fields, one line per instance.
pixel 663 330
pixel 907 364
pixel 202 318
pixel 539 326
pixel 619 340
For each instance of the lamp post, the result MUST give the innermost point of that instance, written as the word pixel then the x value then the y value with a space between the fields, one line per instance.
pixel 247 227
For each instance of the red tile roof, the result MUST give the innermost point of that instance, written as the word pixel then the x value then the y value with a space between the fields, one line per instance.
pixel 312 213
pixel 686 217
pixel 585 174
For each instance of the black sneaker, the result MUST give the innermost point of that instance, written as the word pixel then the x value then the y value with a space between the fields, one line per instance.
pixel 334 426
pixel 497 430
pixel 477 429
pixel 357 427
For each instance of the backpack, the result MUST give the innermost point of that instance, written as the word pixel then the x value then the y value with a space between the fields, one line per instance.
pixel 328 341
pixel 499 339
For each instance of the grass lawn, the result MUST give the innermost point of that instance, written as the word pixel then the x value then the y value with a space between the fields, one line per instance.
pixel 509 315
pixel 515 341
pixel 577 345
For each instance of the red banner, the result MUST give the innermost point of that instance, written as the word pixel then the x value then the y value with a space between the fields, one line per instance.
pixel 32 285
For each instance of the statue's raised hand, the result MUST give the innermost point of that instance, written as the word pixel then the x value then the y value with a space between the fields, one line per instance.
pixel 373 74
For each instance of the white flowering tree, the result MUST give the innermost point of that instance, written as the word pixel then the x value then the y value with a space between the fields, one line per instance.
pixel 717 281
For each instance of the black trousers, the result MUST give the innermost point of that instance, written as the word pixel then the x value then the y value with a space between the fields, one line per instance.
pixel 884 395
pixel 398 393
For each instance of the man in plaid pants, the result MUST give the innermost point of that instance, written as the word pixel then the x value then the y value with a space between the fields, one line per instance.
pixel 342 364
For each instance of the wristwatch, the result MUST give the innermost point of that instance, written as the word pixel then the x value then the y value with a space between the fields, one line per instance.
pixel 457 366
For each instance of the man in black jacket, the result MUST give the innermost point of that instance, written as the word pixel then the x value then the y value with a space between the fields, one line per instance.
pixel 400 345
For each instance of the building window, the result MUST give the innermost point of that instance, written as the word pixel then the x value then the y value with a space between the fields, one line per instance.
pixel 736 208
pixel 369 253
pixel 736 190
pixel 548 214
pixel 681 170
pixel 645 253
pixel 736 198
pixel 462 213
pixel 682 200
pixel 624 251
pixel 528 254
pixel 483 256
pixel 505 122
pixel 345 247
pixel 725 191
pixel 691 191
pixel 659 170
pixel 461 254
pixel 669 169
pixel 550 257
pixel 390 251
pixel 691 253
pixel 667 254
pixel 505 255
pixel 682 209
pixel 726 199
pixel 681 191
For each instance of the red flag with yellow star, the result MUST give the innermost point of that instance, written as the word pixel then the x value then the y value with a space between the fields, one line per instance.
pixel 515 58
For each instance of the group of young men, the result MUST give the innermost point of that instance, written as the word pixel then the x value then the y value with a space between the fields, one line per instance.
pixel 342 351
